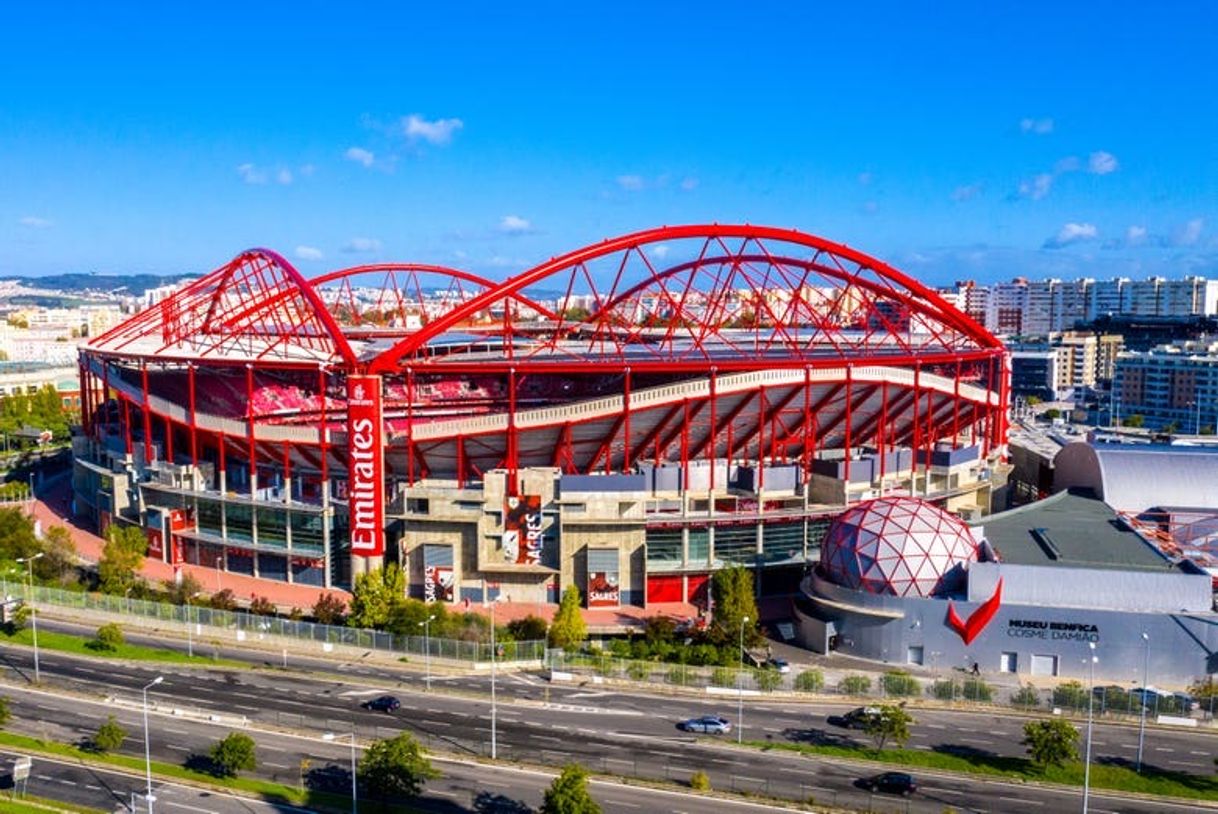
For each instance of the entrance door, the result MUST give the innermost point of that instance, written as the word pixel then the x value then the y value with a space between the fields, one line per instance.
pixel 1008 663
pixel 1044 665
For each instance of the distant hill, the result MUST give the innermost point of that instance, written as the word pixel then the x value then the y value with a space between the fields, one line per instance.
pixel 133 284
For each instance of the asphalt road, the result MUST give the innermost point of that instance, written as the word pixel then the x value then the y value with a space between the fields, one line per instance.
pixel 606 731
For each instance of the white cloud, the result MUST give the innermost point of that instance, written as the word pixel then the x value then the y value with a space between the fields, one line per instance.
pixel 1135 235
pixel 1102 163
pixel 630 183
pixel 251 174
pixel 360 156
pixel 1037 187
pixel 1191 232
pixel 1038 126
pixel 308 253
pixel 660 251
pixel 689 183
pixel 362 245
pixel 514 225
pixel 1072 233
pixel 967 192
pixel 35 222
pixel 437 132
pixel 283 176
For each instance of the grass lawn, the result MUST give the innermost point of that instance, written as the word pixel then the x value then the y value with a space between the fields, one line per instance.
pixel 70 643
pixel 1105 776
pixel 29 804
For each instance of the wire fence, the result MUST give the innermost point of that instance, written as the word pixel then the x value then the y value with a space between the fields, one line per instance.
pixel 957 687
pixel 211 622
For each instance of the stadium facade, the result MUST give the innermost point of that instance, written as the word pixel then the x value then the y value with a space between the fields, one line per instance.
pixel 626 418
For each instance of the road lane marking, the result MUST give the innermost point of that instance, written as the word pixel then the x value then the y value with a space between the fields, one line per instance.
pixel 190 808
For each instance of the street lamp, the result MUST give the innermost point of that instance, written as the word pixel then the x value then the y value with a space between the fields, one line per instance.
pixel 494 660
pixel 147 747
pixel 1090 715
pixel 426 625
pixel 744 620
pixel 190 637
pixel 29 565
pixel 1145 681
pixel 330 736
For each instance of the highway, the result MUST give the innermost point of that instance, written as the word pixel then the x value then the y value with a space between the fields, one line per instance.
pixel 606 731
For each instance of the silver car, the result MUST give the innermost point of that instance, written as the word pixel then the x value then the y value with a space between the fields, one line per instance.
pixel 710 724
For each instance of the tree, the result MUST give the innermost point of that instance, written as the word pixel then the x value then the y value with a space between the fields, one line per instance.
pixel 529 629
pixel 224 600
pixel 699 781
pixel 109 737
pixel 1171 428
pixel 1051 414
pixel 568 628
pixel 568 794
pixel 734 601
pixel 1134 421
pixel 235 752
pixel 1052 742
pixel 59 556
pixel 395 767
pixel 375 595
pixel 329 609
pixel 109 638
pixel 261 606
pixel 122 559
pixel 889 723
pixel 182 590
pixel 6 712
pixel 16 534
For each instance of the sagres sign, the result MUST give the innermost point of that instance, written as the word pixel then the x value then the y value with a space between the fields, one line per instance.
pixel 365 466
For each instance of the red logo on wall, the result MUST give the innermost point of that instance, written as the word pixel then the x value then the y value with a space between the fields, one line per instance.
pixel 969 629
pixel 523 538
pixel 365 466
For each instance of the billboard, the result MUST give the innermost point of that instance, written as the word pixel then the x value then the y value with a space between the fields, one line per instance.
pixel 365 466
pixel 439 579
pixel 523 539
pixel 603 578
pixel 156 544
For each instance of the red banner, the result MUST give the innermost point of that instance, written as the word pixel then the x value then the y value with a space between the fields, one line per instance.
pixel 523 539
pixel 156 544
pixel 438 583
pixel 365 466
pixel 603 590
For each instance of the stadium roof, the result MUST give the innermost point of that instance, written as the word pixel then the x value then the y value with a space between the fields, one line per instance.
pixel 1070 529
pixel 1136 477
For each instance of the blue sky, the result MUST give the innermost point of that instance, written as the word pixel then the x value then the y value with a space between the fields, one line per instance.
pixel 1025 139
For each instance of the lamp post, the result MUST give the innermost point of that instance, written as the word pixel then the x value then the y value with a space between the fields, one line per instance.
pixel 426 625
pixel 330 736
pixel 190 636
pixel 29 565
pixel 494 708
pixel 744 620
pixel 1090 717
pixel 147 747
pixel 1145 681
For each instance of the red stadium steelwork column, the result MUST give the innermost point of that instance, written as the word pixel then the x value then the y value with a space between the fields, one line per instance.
pixel 512 453
pixel 849 413
pixel 149 449
pixel 714 428
pixel 249 423
pixel 194 418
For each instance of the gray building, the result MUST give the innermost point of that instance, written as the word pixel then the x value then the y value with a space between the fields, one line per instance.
pixel 1047 580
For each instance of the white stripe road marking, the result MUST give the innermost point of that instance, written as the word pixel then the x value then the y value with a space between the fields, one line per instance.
pixel 190 808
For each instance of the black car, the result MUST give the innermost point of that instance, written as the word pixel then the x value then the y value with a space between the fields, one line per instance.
pixel 892 783
pixel 854 719
pixel 386 703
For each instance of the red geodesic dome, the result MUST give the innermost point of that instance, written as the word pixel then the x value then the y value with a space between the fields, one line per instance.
pixel 897 545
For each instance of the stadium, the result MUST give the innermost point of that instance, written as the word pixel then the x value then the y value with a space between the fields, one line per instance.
pixel 626 417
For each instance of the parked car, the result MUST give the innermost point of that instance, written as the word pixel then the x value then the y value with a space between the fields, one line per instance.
pixel 781 665
pixel 891 783
pixel 385 703
pixel 710 724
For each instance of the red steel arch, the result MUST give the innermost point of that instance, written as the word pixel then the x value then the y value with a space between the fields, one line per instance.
pixel 691 305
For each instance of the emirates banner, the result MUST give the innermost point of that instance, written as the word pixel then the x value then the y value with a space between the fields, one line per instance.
pixel 365 466
pixel 523 540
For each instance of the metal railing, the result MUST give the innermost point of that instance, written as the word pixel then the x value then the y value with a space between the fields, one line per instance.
pixel 215 623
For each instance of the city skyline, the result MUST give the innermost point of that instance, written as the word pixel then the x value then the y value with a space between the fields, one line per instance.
pixel 1021 142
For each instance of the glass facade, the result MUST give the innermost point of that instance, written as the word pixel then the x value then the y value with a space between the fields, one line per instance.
pixel 736 544
pixel 664 548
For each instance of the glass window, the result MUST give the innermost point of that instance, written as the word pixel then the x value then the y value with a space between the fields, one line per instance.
pixel 699 546
pixel 664 547
pixel 240 521
pixel 782 541
pixel 307 532
pixel 209 517
pixel 272 527
pixel 736 543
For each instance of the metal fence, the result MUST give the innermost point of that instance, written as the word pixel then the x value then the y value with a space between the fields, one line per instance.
pixel 240 624
pixel 955 687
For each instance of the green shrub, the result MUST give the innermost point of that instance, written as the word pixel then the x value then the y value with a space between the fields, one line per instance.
pixel 977 690
pixel 638 670
pixel 1026 697
pixel 943 688
pixel 724 676
pixel 810 681
pixel 767 680
pixel 108 638
pixel 855 685
pixel 679 675
pixel 699 781
pixel 899 683
pixel 109 737
pixel 1070 694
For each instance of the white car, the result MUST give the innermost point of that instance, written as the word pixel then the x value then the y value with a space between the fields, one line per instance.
pixel 710 724
pixel 781 665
